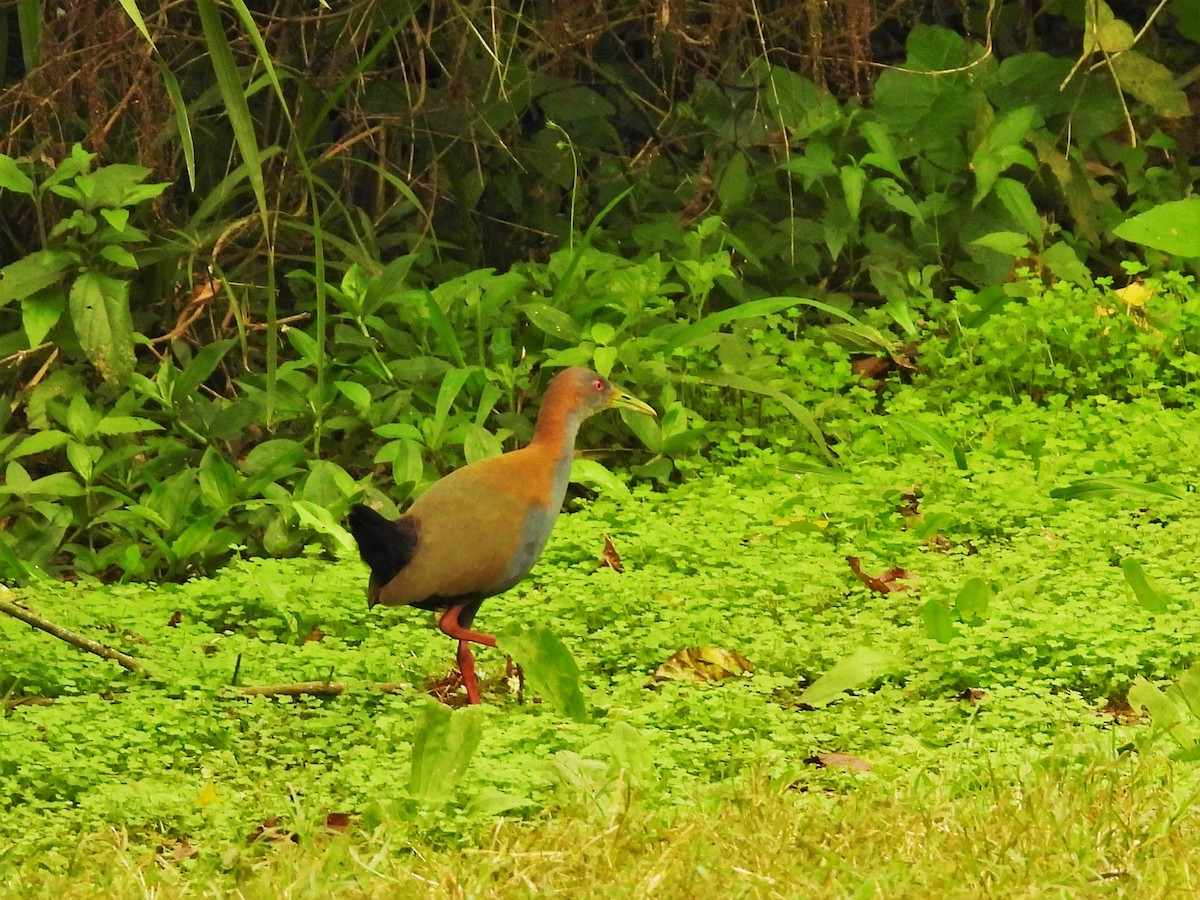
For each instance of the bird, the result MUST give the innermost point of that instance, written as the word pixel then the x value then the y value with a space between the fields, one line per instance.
pixel 477 532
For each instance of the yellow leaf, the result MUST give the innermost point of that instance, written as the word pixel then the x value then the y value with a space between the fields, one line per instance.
pixel 703 664
pixel 1136 294
pixel 208 795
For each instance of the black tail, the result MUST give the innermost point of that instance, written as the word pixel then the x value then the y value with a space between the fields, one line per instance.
pixel 385 546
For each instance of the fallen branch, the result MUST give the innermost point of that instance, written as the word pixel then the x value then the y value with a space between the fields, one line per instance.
pixel 295 689
pixel 76 640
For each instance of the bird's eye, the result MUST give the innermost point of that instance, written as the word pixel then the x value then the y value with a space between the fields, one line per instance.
pixel 598 385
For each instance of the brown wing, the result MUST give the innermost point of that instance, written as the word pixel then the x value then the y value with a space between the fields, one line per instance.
pixel 469 528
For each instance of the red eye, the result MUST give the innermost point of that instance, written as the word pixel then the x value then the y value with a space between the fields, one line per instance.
pixel 598 384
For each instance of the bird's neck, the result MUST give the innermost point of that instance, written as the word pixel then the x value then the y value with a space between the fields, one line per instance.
pixel 557 424
pixel 554 436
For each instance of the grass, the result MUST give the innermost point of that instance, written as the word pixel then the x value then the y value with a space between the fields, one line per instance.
pixel 1000 758
pixel 1123 827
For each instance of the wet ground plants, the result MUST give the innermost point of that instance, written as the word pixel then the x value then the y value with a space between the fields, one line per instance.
pixel 978 656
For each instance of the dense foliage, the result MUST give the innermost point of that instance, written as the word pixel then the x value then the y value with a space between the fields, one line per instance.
pixel 242 288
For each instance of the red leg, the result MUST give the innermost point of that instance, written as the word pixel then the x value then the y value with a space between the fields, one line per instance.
pixel 466 660
pixel 466 667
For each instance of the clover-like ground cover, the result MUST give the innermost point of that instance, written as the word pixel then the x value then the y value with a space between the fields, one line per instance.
pixel 989 719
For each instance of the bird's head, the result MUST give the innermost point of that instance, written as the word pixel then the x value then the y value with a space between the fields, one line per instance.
pixel 587 392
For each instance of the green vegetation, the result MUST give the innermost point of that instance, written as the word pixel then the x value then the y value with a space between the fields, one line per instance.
pixel 905 606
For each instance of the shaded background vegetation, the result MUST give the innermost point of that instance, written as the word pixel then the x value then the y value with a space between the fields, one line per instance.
pixel 301 247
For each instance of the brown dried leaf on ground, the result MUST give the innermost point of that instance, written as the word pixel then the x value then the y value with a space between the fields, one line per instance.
pixel 885 582
pixel 610 558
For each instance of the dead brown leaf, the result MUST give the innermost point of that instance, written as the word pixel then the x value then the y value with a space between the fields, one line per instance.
pixel 971 695
pixel 315 635
pixel 885 582
pixel 847 761
pixel 703 664
pixel 610 558
pixel 337 821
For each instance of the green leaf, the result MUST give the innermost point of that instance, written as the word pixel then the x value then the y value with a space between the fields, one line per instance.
pixel 13 178
pixel 100 313
pixel 1147 590
pixel 1061 259
pixel 443 743
pixel 39 442
pixel 938 623
pixel 321 520
pixel 548 666
pixel 1152 83
pixel 854 179
pixel 1103 486
pixel 218 480
pixel 40 312
pixel 1172 227
pixel 735 184
pixel 480 443
pixel 1010 243
pixel 972 601
pixel 597 477
pixel 356 393
pixel 119 256
pixel 863 666
pixel 201 366
pixel 1015 198
pixel 553 322
pixel 798 412
pixel 949 446
pixel 32 273
pixel 891 193
pixel 448 344
pixel 111 424
pixel 233 95
pixel 1164 712
pixel 753 309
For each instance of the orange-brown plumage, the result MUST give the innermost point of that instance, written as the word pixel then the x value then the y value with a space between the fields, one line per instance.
pixel 479 530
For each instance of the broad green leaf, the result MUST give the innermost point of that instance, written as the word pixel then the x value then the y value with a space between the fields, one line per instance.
pixel 938 623
pixel 1172 227
pixel 1152 83
pixel 321 520
pixel 480 443
pixel 1148 591
pixel 548 666
pixel 891 193
pixel 597 477
pixel 443 743
pixel 40 312
pixel 1015 198
pixel 13 178
pixel 59 484
pixel 735 185
pixel 1010 243
pixel 32 273
pixel 119 256
pixel 218 480
pixel 356 393
pixel 553 322
pixel 452 384
pixel 863 666
pixel 201 366
pixel 1164 712
pixel 1060 259
pixel 972 600
pixel 100 313
pixel 883 153
pixel 1103 30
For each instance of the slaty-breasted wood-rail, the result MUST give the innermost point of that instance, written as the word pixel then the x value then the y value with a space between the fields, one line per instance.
pixel 479 530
